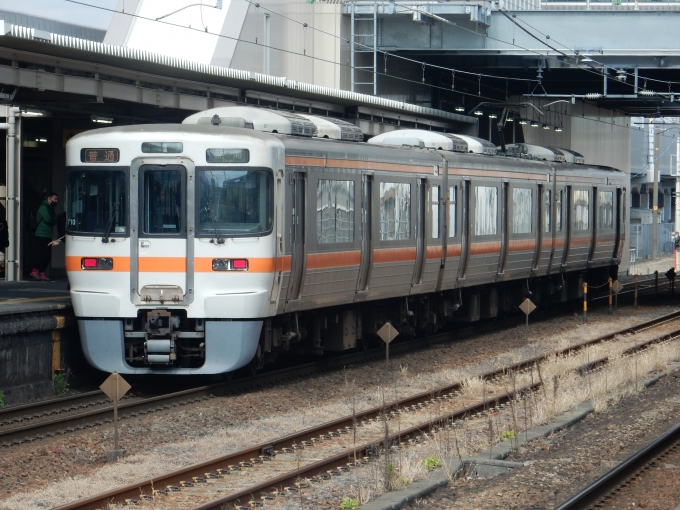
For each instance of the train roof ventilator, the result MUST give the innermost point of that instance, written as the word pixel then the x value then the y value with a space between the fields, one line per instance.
pixel 277 121
pixel 435 140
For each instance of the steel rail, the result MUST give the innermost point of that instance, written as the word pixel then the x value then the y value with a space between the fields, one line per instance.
pixel 33 425
pixel 332 464
pixel 616 477
pixel 262 452
pixel 69 416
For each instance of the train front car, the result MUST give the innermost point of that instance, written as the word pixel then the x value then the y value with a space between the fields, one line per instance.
pixel 171 245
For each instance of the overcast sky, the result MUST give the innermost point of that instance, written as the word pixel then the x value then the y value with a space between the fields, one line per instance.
pixel 68 12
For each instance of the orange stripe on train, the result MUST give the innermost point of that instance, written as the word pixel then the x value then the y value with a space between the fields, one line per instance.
pixel 333 259
pixel 384 255
pixel 486 248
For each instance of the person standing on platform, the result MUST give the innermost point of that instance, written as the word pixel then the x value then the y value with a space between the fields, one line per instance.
pixel 46 219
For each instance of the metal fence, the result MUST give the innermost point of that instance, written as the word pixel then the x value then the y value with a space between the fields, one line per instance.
pixel 641 240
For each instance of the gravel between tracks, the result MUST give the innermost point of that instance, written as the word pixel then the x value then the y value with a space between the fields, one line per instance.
pixel 52 472
pixel 558 466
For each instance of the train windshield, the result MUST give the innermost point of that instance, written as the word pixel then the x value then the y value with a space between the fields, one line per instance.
pixel 235 202
pixel 96 202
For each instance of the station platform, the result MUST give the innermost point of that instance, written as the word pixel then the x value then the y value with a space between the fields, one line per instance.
pixel 33 296
pixel 38 338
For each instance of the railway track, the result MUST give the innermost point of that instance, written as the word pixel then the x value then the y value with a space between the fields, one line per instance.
pixel 599 492
pixel 273 470
pixel 41 420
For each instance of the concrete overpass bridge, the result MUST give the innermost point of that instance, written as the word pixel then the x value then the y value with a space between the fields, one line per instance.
pixel 621 57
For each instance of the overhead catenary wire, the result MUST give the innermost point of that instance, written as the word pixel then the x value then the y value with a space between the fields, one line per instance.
pixel 576 52
pixel 492 100
pixel 237 39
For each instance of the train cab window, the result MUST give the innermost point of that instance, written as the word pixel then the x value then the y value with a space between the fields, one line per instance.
pixel 434 205
pixel 395 211
pixel 162 202
pixel 96 200
pixel 581 209
pixel 521 210
pixel 334 211
pixel 234 202
pixel 548 211
pixel 605 210
pixel 452 211
pixel 486 210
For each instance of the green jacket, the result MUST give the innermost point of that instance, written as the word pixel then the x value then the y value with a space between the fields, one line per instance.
pixel 46 219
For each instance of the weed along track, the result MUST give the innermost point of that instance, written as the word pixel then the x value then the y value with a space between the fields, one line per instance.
pixel 504 401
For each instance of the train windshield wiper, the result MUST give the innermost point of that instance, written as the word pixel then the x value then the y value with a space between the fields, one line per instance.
pixel 218 237
pixel 109 225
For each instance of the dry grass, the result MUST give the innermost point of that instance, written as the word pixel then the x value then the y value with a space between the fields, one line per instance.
pixel 565 389
pixel 470 437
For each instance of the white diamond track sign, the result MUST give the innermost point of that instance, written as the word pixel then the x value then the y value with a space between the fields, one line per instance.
pixel 387 333
pixel 617 287
pixel 115 387
pixel 527 307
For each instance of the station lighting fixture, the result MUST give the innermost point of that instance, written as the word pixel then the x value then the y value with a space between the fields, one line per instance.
pixel 101 120
pixel 32 113
pixel 558 129
pixel 43 140
pixel 460 108
pixel 509 119
pixel 534 123
pixel 493 116
pixel 523 122
pixel 479 112
pixel 586 58
pixel 545 126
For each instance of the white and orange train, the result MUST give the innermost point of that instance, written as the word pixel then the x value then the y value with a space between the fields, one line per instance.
pixel 243 233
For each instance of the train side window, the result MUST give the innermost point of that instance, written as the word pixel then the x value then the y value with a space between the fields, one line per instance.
pixel 452 211
pixel 521 210
pixel 434 203
pixel 558 220
pixel 548 210
pixel 334 211
pixel 581 209
pixel 605 210
pixel 486 210
pixel 395 211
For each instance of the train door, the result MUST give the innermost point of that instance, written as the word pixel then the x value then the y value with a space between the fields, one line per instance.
pixel 394 208
pixel 566 224
pixel 580 225
pixel 605 224
pixel 366 226
pixel 162 233
pixel 621 223
pixel 297 239
pixel 420 216
pixel 522 224
pixel 485 206
pixel 559 229
pixel 464 229
pixel 453 215
pixel 546 229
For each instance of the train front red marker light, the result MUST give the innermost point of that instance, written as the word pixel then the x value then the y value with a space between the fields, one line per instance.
pixel 90 263
pixel 239 264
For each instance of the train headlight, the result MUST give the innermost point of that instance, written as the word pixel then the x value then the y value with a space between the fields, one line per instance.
pixel 230 265
pixel 96 263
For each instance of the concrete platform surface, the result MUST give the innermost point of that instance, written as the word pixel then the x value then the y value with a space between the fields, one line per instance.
pixel 33 296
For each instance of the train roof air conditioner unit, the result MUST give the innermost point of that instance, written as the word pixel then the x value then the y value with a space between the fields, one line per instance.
pixel 260 119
